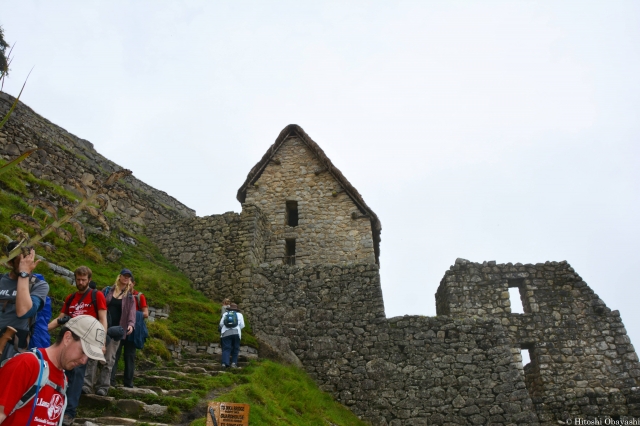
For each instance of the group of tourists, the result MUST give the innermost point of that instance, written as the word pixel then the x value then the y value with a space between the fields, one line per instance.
pixel 95 328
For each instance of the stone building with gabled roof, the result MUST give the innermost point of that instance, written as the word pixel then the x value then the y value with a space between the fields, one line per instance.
pixel 302 258
pixel 315 215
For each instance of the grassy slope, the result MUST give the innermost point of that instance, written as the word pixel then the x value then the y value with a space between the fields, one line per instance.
pixel 192 316
pixel 277 395
pixel 281 395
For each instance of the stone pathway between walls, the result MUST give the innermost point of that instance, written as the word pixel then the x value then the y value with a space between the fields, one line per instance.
pixel 152 380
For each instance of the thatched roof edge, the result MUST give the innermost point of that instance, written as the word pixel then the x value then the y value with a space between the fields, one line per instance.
pixel 352 192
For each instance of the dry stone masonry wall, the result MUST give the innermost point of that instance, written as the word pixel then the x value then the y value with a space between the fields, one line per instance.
pixel 216 252
pixel 582 361
pixel 462 367
pixel 63 157
pixel 330 227
pixel 408 370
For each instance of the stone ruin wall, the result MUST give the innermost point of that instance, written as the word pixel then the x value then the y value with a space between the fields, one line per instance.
pixel 327 233
pixel 216 252
pixel 63 157
pixel 461 367
pixel 408 370
pixel 582 361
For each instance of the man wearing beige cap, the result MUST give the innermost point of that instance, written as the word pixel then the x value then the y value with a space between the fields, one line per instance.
pixel 36 396
pixel 85 301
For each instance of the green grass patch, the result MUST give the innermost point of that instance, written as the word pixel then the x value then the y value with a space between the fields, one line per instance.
pixel 277 395
pixel 160 330
pixel 285 395
pixel 156 347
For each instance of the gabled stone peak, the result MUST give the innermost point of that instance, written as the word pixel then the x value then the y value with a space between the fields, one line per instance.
pixel 295 131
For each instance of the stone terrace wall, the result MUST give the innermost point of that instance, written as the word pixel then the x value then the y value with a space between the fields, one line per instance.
pixel 216 252
pixel 64 157
pixel 402 371
pixel 582 361
pixel 327 233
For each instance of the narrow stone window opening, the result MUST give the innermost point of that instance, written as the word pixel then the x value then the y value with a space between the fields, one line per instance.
pixel 516 290
pixel 292 213
pixel 290 251
pixel 526 356
pixel 531 370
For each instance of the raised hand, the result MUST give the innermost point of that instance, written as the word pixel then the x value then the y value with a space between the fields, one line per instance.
pixel 28 263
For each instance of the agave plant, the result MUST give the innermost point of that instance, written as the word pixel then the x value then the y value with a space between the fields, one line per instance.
pixel 42 230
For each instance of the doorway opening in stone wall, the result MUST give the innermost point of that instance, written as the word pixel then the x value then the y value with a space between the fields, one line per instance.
pixel 292 213
pixel 290 251
pixel 517 296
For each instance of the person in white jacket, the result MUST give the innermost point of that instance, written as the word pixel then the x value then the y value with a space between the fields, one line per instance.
pixel 231 323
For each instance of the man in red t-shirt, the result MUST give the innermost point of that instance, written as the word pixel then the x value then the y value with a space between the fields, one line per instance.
pixel 85 301
pixel 80 338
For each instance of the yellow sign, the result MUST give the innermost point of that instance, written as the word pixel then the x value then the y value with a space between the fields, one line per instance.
pixel 228 414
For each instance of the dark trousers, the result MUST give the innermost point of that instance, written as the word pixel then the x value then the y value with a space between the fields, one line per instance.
pixel 129 362
pixel 230 347
pixel 74 389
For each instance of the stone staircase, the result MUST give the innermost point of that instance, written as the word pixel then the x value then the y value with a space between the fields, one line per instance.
pixel 127 406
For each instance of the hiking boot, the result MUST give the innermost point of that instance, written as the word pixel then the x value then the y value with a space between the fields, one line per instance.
pixel 87 390
pixel 234 365
pixel 67 420
pixel 102 392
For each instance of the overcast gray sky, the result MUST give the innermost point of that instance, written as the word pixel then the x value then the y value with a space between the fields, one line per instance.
pixel 502 131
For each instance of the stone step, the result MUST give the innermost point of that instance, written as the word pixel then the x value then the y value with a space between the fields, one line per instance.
pixel 156 380
pixel 136 391
pixel 242 357
pixel 135 408
pixel 206 365
pixel 113 421
pixel 173 374
pixel 164 392
pixel 98 402
pixel 198 368
pixel 186 371
pixel 131 407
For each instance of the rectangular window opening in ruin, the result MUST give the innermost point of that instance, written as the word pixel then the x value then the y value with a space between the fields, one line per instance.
pixel 530 367
pixel 292 213
pixel 290 251
pixel 526 356
pixel 516 290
